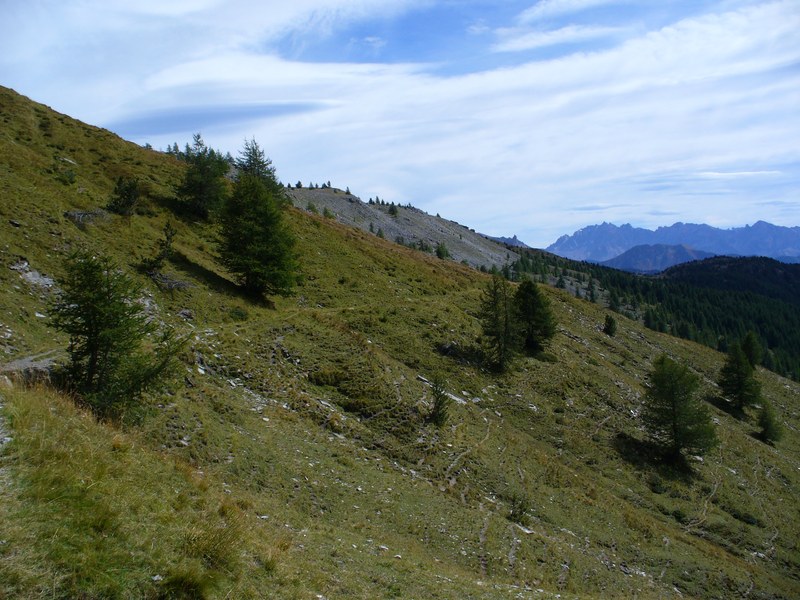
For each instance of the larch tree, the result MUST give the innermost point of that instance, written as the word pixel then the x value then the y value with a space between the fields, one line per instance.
pixel 204 187
pixel 110 365
pixel 737 380
pixel 535 317
pixel 498 315
pixel 256 244
pixel 672 415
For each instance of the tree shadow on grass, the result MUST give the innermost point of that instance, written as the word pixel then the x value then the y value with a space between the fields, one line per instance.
pixel 216 282
pixel 725 406
pixel 175 206
pixel 470 355
pixel 645 455
pixel 213 280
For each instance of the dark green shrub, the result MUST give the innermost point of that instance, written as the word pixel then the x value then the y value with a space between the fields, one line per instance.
pixel 610 326
pixel 124 197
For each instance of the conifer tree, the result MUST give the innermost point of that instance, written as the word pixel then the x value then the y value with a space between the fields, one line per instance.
pixel 771 430
pixel 672 415
pixel 610 326
pixel 752 349
pixel 256 244
pixel 107 331
pixel 204 187
pixel 253 161
pixel 125 196
pixel 737 380
pixel 498 314
pixel 534 316
pixel 442 402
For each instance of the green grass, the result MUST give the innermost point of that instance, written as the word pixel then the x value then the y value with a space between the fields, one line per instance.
pixel 96 514
pixel 310 414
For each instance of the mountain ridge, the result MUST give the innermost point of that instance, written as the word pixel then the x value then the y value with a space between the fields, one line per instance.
pixel 599 243
pixel 654 258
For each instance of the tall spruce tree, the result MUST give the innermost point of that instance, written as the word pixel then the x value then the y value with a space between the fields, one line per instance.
pixel 673 417
pixel 498 314
pixel 256 244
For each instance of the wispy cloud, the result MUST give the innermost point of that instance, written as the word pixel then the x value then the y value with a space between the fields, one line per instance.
pixel 515 40
pixel 554 8
pixel 736 174
pixel 636 129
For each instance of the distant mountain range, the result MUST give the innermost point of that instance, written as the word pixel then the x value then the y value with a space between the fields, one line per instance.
pixel 655 258
pixel 602 243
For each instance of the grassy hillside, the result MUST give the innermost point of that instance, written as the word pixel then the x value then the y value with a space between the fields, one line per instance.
pixel 291 458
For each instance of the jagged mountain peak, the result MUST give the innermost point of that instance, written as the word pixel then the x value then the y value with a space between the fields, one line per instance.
pixel 599 243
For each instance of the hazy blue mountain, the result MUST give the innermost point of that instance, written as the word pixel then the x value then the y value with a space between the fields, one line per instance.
pixel 598 243
pixel 514 242
pixel 655 258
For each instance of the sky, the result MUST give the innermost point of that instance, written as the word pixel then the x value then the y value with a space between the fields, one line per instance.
pixel 508 116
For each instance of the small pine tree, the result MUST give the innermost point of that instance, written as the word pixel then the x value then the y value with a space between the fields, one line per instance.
pixel 393 209
pixel 610 326
pixel 442 402
pixel 97 307
pixel 673 417
pixel 442 251
pixel 125 196
pixel 164 251
pixel 771 430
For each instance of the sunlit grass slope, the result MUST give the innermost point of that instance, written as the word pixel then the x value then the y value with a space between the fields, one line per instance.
pixel 295 433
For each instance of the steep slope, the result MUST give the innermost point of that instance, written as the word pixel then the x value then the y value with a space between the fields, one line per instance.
pixel 303 422
pixel 408 226
pixel 600 243
pixel 655 258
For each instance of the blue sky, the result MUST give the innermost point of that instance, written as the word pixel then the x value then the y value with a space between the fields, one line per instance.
pixel 512 117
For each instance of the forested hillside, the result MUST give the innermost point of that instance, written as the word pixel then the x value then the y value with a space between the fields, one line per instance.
pixel 347 438
pixel 715 302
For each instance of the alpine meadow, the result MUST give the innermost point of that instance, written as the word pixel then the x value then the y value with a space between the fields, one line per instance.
pixel 215 385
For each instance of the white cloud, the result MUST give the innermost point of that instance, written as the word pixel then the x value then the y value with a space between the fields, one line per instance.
pixel 737 174
pixel 515 40
pixel 555 8
pixel 479 27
